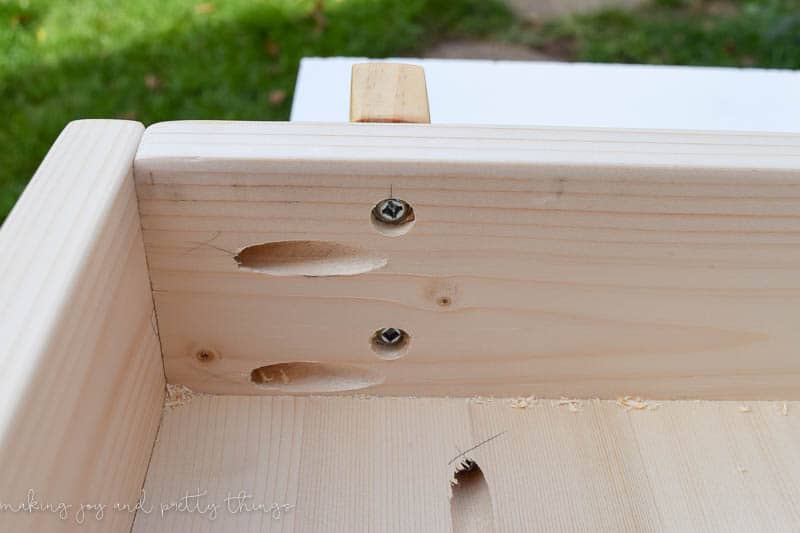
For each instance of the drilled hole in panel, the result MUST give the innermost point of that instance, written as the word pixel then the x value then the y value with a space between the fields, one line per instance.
pixel 470 501
pixel 308 258
pixel 308 377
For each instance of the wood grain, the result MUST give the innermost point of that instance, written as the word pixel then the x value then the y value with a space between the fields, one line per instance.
pixel 81 376
pixel 388 92
pixel 591 263
pixel 381 464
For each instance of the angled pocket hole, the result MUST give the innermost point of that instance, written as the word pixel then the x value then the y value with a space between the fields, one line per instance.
pixel 470 501
pixel 311 377
pixel 308 258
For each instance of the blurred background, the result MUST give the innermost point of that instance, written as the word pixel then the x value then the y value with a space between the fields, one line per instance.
pixel 154 60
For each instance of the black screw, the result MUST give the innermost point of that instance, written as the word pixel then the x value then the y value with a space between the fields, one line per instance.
pixel 393 211
pixel 390 343
pixel 390 336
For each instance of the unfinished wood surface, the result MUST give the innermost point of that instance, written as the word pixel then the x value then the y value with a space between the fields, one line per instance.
pixel 388 92
pixel 81 377
pixel 386 464
pixel 547 261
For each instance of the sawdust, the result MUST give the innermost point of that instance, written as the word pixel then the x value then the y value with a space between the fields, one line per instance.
pixel 523 402
pixel 177 396
pixel 573 404
pixel 466 465
pixel 481 400
pixel 745 409
pixel 637 403
pixel 785 409
pixel 360 396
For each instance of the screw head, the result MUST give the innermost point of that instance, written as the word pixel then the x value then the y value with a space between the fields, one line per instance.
pixel 390 343
pixel 392 211
pixel 204 356
pixel 390 336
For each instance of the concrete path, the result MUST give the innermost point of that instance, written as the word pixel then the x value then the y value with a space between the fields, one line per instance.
pixel 485 50
pixel 546 9
pixel 535 10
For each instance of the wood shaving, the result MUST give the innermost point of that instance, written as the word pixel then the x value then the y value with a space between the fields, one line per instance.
pixel 177 396
pixel 522 402
pixel 285 377
pixel 360 396
pixel 741 469
pixel 744 409
pixel 637 403
pixel 573 405
pixel 785 409
pixel 466 465
pixel 481 399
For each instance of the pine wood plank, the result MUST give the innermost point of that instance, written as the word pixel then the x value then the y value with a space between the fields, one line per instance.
pixel 81 376
pixel 592 263
pixel 381 464
pixel 388 92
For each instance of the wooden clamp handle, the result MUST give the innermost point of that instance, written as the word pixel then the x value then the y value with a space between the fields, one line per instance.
pixel 388 92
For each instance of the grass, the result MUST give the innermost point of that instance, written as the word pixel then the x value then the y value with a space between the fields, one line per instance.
pixel 152 60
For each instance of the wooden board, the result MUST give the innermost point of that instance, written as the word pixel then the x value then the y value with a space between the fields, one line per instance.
pixel 547 261
pixel 81 376
pixel 381 464
pixel 384 92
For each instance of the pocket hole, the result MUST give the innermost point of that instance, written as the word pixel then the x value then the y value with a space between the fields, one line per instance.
pixel 306 377
pixel 390 343
pixel 308 258
pixel 392 217
pixel 470 501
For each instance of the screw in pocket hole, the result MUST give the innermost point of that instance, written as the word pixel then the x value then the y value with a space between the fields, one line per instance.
pixel 390 343
pixel 392 217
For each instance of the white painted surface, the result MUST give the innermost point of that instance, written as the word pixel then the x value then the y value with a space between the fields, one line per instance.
pixel 575 94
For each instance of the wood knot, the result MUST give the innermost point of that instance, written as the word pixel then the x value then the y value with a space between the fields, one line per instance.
pixel 442 292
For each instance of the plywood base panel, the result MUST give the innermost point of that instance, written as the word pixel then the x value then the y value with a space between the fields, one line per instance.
pixel 386 464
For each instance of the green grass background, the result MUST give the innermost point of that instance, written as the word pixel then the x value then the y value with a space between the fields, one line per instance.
pixel 152 60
